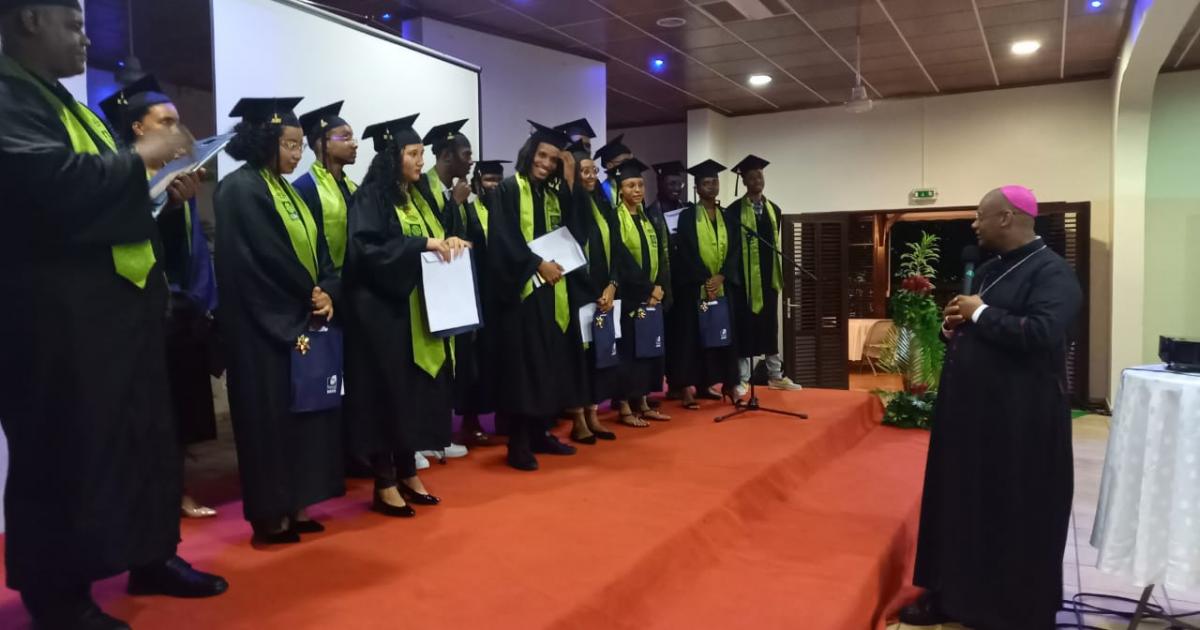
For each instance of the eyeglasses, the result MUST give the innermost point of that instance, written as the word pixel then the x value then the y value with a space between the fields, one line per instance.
pixel 291 145
pixel 590 170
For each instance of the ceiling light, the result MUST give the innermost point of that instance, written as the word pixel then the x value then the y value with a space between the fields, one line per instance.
pixel 759 80
pixel 1026 47
pixel 1096 4
pixel 671 22
pixel 658 64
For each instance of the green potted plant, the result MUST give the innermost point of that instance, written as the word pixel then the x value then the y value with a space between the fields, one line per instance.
pixel 913 349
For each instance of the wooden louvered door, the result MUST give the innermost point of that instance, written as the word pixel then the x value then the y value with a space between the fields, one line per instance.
pixel 1066 229
pixel 815 312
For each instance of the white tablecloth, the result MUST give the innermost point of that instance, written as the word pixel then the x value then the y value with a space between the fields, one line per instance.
pixel 1148 521
pixel 859 330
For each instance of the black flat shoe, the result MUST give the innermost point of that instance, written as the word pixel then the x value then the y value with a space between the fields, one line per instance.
pixel 522 460
pixel 284 537
pixel 550 445
pixel 412 496
pixel 589 440
pixel 926 611
pixel 307 527
pixel 604 435
pixel 387 509
pixel 175 578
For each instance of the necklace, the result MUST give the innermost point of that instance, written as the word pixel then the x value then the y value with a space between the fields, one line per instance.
pixel 1011 269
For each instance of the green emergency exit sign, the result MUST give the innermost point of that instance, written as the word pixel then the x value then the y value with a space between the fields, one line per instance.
pixel 922 195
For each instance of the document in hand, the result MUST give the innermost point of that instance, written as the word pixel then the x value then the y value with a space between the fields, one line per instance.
pixel 560 247
pixel 587 315
pixel 451 294
pixel 672 219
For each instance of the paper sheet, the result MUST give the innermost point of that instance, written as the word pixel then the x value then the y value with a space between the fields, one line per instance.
pixel 451 301
pixel 202 153
pixel 587 313
pixel 672 219
pixel 560 247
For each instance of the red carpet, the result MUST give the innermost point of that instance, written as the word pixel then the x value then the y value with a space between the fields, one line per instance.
pixel 763 522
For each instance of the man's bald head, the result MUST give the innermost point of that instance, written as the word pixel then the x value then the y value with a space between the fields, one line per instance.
pixel 1002 225
pixel 45 37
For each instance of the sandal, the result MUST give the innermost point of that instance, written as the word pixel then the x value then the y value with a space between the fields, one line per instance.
pixel 633 420
pixel 650 414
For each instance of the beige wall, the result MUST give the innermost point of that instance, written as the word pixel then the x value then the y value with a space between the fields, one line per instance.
pixel 653 144
pixel 1056 139
pixel 1172 274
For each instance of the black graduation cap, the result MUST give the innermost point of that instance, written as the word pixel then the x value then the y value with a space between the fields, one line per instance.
pixel 706 169
pixel 491 167
pixel 628 169
pixel 579 151
pixel 276 111
pixel 137 96
pixel 579 128
pixel 442 134
pixel 670 168
pixel 611 150
pixel 6 5
pixel 399 131
pixel 542 133
pixel 750 163
pixel 316 122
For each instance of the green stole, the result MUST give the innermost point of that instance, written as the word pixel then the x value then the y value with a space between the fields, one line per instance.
pixel 481 211
pixel 750 256
pixel 631 234
pixel 436 187
pixel 602 224
pixel 132 261
pixel 553 219
pixel 713 242
pixel 333 211
pixel 429 352
pixel 297 220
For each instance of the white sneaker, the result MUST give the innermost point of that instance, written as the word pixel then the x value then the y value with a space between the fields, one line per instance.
pixel 422 463
pixel 453 451
pixel 741 390
pixel 784 383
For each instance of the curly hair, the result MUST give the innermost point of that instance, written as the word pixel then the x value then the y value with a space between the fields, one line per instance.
pixel 255 143
pixel 525 160
pixel 382 175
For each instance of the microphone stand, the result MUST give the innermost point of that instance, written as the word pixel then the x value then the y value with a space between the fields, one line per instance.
pixel 752 404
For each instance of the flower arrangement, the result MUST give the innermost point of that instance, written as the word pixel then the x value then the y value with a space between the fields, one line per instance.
pixel 913 349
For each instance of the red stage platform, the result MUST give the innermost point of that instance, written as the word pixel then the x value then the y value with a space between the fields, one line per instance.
pixel 760 522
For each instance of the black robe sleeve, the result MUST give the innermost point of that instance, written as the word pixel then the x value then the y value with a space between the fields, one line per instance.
pixel 94 199
pixel 664 259
pixel 511 263
pixel 387 259
pixel 1053 302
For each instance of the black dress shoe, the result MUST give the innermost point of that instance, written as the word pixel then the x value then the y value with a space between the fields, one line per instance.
pixel 283 537
pixel 387 509
pixel 175 578
pixel 412 496
pixel 92 618
pixel 604 435
pixel 307 527
pixel 550 445
pixel 589 440
pixel 926 611
pixel 522 459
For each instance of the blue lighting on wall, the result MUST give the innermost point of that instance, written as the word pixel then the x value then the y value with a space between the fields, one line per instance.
pixel 386 16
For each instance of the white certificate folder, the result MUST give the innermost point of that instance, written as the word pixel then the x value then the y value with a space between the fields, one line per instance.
pixel 561 247
pixel 451 293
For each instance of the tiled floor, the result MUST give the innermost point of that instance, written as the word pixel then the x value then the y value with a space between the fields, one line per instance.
pixel 1079 571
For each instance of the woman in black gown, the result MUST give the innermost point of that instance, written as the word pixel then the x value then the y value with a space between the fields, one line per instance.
pixel 275 280
pixel 399 396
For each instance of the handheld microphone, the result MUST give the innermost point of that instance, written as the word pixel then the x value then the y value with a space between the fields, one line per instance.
pixel 970 256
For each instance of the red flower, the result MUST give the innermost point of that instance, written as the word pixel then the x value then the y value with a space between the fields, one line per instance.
pixel 917 284
pixel 918 388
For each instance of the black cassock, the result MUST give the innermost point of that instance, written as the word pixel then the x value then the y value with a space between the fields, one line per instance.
pixel 539 368
pixel 391 404
pixel 95 468
pixel 998 481
pixel 642 376
pixel 757 333
pixel 287 461
pixel 474 379
pixel 689 363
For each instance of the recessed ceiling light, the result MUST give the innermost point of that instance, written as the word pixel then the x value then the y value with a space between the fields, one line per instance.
pixel 1026 47
pixel 671 22
pixel 759 80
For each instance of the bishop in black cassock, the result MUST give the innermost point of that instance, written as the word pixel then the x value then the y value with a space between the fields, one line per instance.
pixel 998 482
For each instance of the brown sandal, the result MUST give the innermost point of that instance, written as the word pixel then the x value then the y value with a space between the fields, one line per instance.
pixel 650 414
pixel 633 420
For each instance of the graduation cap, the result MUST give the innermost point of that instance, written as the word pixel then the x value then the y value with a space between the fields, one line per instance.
pixel 579 151
pixel 749 163
pixel 276 111
pixel 491 167
pixel 665 169
pixel 579 128
pixel 8 5
pixel 706 169
pixel 541 133
pixel 441 135
pixel 399 131
pixel 135 97
pixel 318 121
pixel 611 150
pixel 628 169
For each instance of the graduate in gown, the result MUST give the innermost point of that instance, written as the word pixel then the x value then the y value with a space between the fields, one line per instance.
pixel 999 477
pixel 671 178
pixel 94 468
pixel 276 280
pixel 539 351
pixel 136 110
pixel 644 283
pixel 606 255
pixel 756 303
pixel 399 374
pixel 325 188
pixel 474 380
pixel 704 268
pixel 609 157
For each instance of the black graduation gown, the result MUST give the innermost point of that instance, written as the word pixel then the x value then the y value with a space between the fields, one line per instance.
pixel 391 404
pixel 998 481
pixel 642 376
pixel 600 384
pixel 287 461
pixel 95 468
pixel 689 363
pixel 539 368
pixel 450 214
pixel 757 334
pixel 190 334
pixel 474 380
pixel 306 185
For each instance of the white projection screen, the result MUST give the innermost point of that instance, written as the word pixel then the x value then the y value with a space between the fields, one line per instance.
pixel 290 48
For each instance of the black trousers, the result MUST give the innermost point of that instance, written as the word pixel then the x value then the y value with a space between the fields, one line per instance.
pixel 391 467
